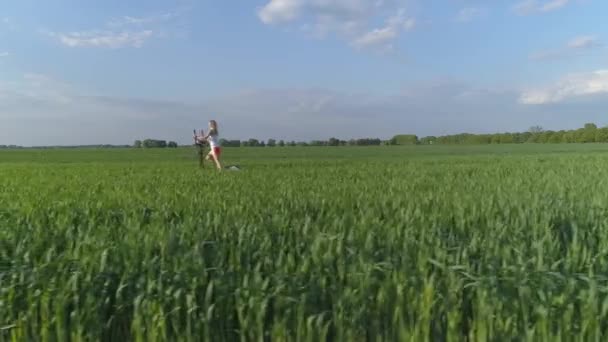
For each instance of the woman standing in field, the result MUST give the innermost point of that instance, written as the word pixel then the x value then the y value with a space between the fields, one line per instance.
pixel 213 137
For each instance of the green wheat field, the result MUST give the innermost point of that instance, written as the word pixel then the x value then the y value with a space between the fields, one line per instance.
pixel 428 243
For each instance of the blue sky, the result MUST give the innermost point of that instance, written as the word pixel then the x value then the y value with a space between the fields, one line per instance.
pixel 86 72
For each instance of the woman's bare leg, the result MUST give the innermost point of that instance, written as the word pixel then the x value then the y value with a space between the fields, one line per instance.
pixel 211 156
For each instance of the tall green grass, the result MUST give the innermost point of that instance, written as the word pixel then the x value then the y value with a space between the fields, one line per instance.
pixel 383 245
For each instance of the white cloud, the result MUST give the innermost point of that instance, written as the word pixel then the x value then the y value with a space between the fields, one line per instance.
pixel 383 37
pixel 107 39
pixel 553 5
pixel 280 11
pixel 583 42
pixel 40 110
pixel 469 14
pixel 145 20
pixel 570 87
pixel 44 87
pixel 4 54
pixel 351 20
pixel 127 31
pixel 573 47
pixel 376 37
pixel 64 114
pixel 35 88
pixel 527 7
pixel 276 11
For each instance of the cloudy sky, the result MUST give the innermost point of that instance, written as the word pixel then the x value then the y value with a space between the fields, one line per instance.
pixel 112 71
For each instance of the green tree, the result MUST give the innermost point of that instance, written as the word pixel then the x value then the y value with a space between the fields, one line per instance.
pixel 271 143
pixel 588 133
pixel 601 135
pixel 533 138
pixel 153 143
pixel 536 129
pixel 569 137
pixel 545 136
pixel 430 140
pixel 506 138
pixel 556 137
pixel 590 126
pixel 404 139
pixel 137 144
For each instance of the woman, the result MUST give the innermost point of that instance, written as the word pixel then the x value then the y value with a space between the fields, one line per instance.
pixel 213 138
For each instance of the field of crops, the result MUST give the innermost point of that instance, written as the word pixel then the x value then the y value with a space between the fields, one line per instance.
pixel 306 244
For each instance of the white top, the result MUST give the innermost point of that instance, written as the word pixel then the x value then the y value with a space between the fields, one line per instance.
pixel 214 140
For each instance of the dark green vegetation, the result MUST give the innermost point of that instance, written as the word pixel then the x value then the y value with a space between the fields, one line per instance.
pixel 590 133
pixel 309 244
pixel 153 143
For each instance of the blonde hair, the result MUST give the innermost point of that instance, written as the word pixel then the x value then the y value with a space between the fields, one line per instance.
pixel 214 129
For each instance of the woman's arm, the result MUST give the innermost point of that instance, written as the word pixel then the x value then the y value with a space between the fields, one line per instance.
pixel 211 132
pixel 200 138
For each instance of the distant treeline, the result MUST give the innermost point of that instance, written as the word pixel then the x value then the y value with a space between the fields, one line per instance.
pixel 154 143
pixel 590 133
pixel 281 143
